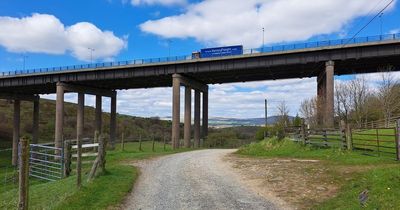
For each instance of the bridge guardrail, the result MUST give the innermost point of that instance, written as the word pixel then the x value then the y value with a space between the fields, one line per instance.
pixel 277 48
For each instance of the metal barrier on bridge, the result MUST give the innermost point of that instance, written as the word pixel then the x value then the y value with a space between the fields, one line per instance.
pixel 270 49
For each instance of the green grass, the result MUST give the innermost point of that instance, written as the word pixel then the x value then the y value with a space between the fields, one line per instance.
pixel 106 190
pixel 380 175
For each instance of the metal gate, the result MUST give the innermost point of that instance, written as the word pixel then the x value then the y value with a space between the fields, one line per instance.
pixel 46 162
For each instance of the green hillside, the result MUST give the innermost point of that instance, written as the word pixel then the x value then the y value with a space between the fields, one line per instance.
pixel 132 127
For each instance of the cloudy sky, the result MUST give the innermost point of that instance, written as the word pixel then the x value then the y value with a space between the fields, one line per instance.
pixel 48 33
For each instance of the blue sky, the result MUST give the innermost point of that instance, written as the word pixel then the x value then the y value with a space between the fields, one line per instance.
pixel 55 33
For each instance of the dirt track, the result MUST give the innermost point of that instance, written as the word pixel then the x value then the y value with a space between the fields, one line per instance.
pixel 193 180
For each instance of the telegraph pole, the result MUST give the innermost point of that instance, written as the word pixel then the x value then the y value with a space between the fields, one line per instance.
pixel 381 21
pixel 263 39
pixel 91 54
pixel 266 119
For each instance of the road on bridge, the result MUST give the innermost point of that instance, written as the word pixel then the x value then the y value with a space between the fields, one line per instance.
pixel 192 180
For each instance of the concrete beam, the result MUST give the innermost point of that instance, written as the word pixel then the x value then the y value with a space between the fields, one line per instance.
pixel 325 96
pixel 79 135
pixel 16 131
pixel 329 94
pixel 188 117
pixel 197 119
pixel 59 129
pixel 113 119
pixel 188 82
pixel 98 114
pixel 205 114
pixel 86 90
pixel 175 135
pixel 35 123
pixel 18 96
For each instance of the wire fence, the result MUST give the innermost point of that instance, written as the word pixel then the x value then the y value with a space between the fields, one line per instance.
pixel 8 172
pixel 172 59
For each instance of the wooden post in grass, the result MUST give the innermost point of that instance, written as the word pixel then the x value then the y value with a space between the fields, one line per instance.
pixel 122 142
pixel 303 131
pixel 398 139
pixel 152 149
pixel 99 165
pixel 140 143
pixel 23 174
pixel 67 158
pixel 349 137
pixel 165 142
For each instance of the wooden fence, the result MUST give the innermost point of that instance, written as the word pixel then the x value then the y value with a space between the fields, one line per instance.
pixel 378 141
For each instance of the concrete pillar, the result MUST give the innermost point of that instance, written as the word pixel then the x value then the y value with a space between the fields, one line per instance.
pixel 197 119
pixel 188 117
pixel 113 120
pixel 59 116
pixel 329 94
pixel 98 114
pixel 35 124
pixel 325 99
pixel 79 134
pixel 16 131
pixel 176 83
pixel 321 97
pixel 205 114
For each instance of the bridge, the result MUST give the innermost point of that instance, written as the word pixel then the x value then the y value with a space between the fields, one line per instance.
pixel 322 60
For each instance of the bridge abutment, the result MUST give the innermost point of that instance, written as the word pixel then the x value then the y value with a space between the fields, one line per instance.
pixel 197 119
pixel 188 117
pixel 325 95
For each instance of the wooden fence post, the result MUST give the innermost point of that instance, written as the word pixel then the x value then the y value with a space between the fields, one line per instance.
pixel 152 149
pixel 140 143
pixel 99 165
pixel 165 142
pixel 398 139
pixel 23 174
pixel 325 135
pixel 349 138
pixel 122 142
pixel 303 130
pixel 67 158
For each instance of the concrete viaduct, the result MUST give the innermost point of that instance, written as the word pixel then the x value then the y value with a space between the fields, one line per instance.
pixel 195 74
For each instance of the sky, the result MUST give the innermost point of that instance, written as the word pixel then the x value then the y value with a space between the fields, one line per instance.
pixel 48 33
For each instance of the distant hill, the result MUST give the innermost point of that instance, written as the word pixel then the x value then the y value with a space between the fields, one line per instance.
pixel 223 122
pixel 230 122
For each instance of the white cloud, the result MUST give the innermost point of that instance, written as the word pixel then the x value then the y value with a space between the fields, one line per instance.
pixel 160 2
pixel 240 22
pixel 394 31
pixel 42 33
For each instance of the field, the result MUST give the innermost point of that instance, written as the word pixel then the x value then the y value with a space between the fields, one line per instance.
pixel 349 172
pixel 104 192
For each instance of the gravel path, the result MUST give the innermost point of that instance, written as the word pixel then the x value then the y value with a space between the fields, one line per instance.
pixel 192 180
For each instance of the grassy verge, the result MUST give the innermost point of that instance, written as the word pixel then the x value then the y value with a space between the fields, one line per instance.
pixel 105 191
pixel 379 175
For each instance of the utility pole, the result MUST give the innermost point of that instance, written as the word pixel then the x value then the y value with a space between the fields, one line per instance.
pixel 263 38
pixel 169 47
pixel 381 21
pixel 91 54
pixel 266 119
pixel 24 57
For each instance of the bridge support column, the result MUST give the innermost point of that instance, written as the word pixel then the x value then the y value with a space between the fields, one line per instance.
pixel 325 102
pixel 98 114
pixel 113 120
pixel 35 124
pixel 176 84
pixel 197 119
pixel 188 115
pixel 79 135
pixel 59 131
pixel 16 131
pixel 205 114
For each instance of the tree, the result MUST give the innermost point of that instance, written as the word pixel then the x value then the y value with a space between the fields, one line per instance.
pixel 283 113
pixel 297 120
pixel 388 94
pixel 308 110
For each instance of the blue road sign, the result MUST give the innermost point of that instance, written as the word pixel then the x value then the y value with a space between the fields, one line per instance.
pixel 221 51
